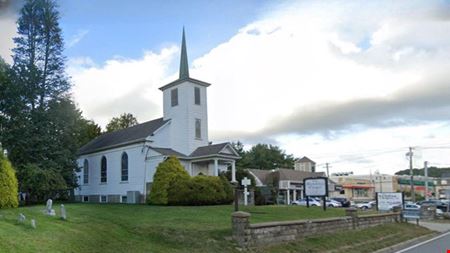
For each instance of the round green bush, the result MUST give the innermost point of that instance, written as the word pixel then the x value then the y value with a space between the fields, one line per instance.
pixel 200 190
pixel 170 169
pixel 8 184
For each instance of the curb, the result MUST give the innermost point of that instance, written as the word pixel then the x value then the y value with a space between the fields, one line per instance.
pixel 405 244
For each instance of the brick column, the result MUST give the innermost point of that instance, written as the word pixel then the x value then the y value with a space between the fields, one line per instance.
pixel 352 212
pixel 240 222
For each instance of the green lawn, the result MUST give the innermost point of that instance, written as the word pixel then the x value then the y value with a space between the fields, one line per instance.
pixel 136 228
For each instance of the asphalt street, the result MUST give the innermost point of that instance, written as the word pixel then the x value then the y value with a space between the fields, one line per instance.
pixel 438 244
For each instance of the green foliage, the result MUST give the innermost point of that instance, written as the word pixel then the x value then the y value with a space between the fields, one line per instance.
pixel 41 183
pixel 167 171
pixel 200 190
pixel 432 172
pixel 123 121
pixel 8 184
pixel 40 124
pixel 263 156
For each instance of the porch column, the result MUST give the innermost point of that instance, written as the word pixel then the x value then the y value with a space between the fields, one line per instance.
pixel 216 167
pixel 288 196
pixel 190 169
pixel 233 172
pixel 295 194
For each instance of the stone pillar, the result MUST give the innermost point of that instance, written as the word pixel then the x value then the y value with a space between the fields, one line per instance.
pixel 352 212
pixel 240 222
pixel 233 172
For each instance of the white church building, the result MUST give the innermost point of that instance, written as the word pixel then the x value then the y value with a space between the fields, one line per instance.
pixel 118 167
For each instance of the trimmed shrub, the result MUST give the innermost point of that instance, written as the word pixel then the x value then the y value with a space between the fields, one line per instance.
pixel 200 190
pixel 8 184
pixel 170 169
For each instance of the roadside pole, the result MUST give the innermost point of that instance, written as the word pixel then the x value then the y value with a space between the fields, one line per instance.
pixel 426 179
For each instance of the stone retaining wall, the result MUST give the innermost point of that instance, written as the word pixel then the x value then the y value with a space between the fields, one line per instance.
pixel 247 234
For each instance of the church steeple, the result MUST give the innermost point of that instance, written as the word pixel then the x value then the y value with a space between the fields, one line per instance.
pixel 184 67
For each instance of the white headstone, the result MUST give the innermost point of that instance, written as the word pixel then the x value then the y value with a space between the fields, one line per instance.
pixel 33 223
pixel 48 209
pixel 21 218
pixel 63 212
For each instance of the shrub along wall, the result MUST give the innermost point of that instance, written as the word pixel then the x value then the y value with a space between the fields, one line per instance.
pixel 200 190
pixel 172 185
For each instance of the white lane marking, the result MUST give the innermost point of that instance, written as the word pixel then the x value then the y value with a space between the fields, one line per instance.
pixel 425 242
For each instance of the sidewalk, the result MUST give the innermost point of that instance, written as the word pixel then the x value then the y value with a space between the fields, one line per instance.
pixel 434 226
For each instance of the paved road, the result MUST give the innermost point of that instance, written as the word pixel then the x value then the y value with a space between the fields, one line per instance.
pixel 438 244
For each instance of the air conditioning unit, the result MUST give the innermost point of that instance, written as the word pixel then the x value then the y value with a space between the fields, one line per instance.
pixel 133 197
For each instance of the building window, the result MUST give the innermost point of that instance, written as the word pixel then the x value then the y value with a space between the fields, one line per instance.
pixel 86 172
pixel 174 97
pixel 103 170
pixel 124 199
pixel 103 199
pixel 198 129
pixel 85 198
pixel 197 95
pixel 124 167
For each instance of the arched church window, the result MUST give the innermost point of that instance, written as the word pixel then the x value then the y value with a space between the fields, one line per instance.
pixel 86 172
pixel 124 167
pixel 103 170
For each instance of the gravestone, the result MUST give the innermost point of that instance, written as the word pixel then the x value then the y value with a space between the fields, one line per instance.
pixel 33 223
pixel 21 218
pixel 63 212
pixel 48 209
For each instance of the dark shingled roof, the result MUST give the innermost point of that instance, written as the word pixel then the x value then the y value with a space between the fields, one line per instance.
pixel 209 150
pixel 126 136
pixel 168 151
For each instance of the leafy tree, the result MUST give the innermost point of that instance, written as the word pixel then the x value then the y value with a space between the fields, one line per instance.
pixel 41 127
pixel 8 184
pixel 41 183
pixel 123 121
pixel 432 172
pixel 266 157
pixel 167 171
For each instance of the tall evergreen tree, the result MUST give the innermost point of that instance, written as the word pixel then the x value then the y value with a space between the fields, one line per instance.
pixel 42 126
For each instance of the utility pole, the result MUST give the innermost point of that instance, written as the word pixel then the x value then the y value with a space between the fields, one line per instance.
pixel 410 154
pixel 328 171
pixel 426 179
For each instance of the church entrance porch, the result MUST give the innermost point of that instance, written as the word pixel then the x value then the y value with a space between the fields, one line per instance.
pixel 212 167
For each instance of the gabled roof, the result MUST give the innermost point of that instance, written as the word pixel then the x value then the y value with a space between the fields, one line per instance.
pixel 168 152
pixel 216 149
pixel 182 80
pixel 304 159
pixel 130 135
pixel 266 176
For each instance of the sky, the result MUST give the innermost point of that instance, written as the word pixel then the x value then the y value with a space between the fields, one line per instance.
pixel 349 83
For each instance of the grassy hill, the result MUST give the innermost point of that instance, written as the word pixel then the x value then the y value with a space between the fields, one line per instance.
pixel 140 228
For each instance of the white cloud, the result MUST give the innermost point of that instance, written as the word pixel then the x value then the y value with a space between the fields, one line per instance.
pixel 8 31
pixel 121 85
pixel 294 58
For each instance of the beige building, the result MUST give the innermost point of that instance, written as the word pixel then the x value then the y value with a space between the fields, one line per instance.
pixel 304 164
pixel 356 189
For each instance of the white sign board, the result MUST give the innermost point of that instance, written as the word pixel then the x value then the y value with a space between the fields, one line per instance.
pixel 387 200
pixel 315 187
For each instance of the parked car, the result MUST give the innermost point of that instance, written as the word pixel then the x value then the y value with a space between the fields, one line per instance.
pixel 412 206
pixel 302 202
pixel 434 202
pixel 344 202
pixel 366 205
pixel 333 203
